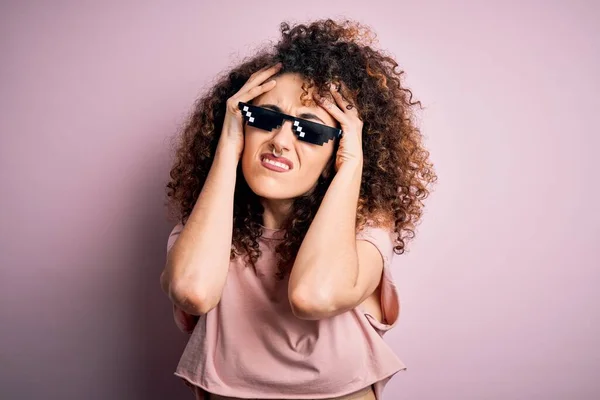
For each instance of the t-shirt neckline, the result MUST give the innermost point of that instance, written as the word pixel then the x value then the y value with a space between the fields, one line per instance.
pixel 270 233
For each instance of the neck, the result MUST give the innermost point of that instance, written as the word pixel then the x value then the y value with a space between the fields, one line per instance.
pixel 275 212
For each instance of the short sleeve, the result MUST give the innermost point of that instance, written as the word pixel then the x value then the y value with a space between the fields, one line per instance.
pixel 184 321
pixel 174 235
pixel 383 240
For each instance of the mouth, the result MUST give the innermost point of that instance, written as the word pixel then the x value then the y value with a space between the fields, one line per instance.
pixel 277 164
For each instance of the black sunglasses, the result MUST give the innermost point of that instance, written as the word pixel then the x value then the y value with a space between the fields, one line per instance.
pixel 308 131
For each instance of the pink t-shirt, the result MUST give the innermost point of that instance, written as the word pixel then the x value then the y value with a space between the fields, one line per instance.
pixel 251 345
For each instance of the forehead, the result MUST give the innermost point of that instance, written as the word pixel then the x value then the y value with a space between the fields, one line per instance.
pixel 288 94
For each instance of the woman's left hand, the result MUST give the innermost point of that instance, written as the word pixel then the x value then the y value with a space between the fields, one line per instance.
pixel 350 148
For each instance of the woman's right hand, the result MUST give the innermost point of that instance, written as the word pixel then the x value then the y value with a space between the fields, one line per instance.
pixel 232 134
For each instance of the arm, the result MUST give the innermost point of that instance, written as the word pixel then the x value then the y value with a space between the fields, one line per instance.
pixel 334 272
pixel 198 262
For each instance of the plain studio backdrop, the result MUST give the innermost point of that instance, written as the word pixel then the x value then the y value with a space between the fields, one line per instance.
pixel 499 289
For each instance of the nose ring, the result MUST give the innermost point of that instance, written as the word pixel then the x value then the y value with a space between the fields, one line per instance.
pixel 275 154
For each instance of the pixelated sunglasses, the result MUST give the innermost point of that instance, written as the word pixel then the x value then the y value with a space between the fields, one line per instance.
pixel 308 131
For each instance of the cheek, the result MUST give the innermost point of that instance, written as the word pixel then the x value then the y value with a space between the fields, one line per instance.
pixel 316 157
pixel 252 140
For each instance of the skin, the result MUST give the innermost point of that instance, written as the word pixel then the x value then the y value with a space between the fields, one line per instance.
pixel 277 190
pixel 333 272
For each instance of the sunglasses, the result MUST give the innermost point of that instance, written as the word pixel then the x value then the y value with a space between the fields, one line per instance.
pixel 307 131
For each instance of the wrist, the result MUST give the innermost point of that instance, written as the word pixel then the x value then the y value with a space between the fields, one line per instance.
pixel 228 151
pixel 349 176
pixel 351 167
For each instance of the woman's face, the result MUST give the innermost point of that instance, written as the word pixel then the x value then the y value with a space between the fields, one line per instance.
pixel 307 161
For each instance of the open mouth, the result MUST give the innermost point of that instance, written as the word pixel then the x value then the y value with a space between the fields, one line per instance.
pixel 273 164
pixel 277 164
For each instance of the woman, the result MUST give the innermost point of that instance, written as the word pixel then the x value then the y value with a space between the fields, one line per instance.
pixel 295 180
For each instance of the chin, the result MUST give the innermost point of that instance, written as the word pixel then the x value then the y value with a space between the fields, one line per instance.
pixel 274 186
pixel 270 189
pixel 273 189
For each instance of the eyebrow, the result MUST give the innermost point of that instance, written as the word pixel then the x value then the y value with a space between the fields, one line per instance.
pixel 303 115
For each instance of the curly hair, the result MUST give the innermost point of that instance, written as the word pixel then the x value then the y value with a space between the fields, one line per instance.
pixel 397 172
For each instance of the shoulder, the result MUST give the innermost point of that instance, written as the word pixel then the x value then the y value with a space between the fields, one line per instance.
pixel 382 235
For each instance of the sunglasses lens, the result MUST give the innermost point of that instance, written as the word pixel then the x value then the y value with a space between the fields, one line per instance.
pixel 312 132
pixel 261 118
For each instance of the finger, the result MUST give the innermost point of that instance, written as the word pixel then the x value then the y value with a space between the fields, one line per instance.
pixel 260 76
pixel 337 96
pixel 255 91
pixel 342 103
pixel 267 70
pixel 331 107
pixel 256 85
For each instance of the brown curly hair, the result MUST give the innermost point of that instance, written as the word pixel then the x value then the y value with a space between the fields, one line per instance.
pixel 396 169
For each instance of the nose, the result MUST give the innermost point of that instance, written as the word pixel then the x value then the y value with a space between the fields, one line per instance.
pixel 284 136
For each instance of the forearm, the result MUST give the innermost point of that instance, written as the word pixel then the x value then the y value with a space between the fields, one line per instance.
pixel 198 262
pixel 327 259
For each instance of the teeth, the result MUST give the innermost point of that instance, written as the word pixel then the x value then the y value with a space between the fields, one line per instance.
pixel 276 163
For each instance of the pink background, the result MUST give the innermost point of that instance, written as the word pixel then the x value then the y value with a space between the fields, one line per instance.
pixel 499 289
